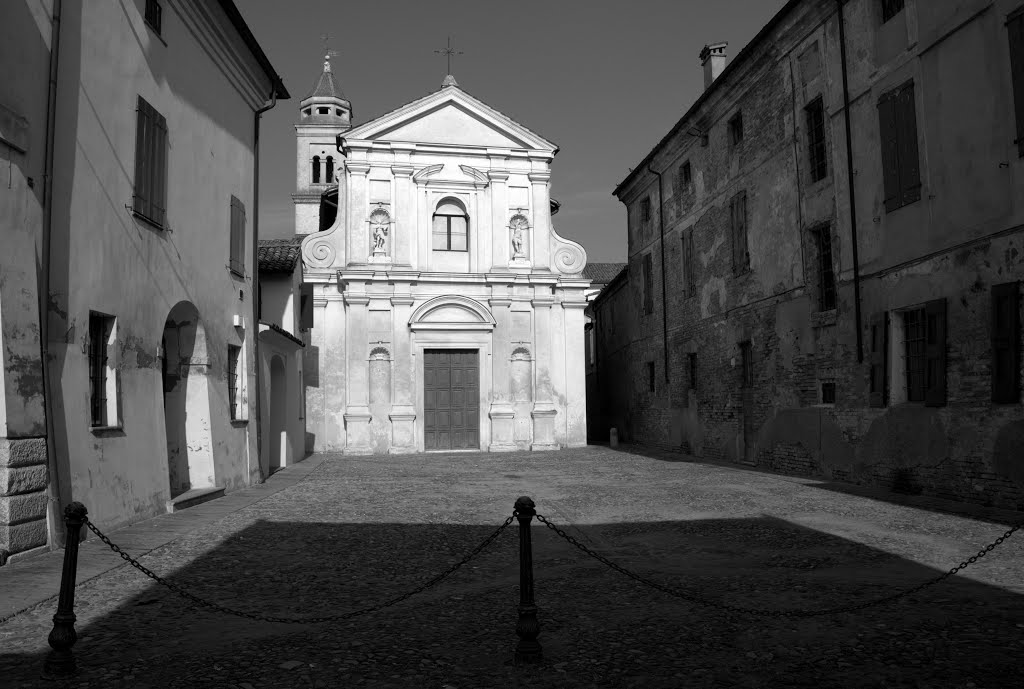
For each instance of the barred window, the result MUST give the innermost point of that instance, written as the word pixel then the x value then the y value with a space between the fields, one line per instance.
pixel 816 139
pixel 914 353
pixel 234 398
pixel 102 383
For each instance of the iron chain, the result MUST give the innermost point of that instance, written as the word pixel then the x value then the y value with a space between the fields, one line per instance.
pixel 196 600
pixel 776 613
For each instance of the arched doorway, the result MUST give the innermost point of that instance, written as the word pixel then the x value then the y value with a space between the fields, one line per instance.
pixel 186 401
pixel 278 410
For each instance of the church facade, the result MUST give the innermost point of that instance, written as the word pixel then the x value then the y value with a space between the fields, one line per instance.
pixel 448 313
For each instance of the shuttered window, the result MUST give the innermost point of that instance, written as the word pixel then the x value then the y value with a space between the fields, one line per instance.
pixel 150 194
pixel 816 139
pixel 1015 30
pixel 1006 343
pixel 648 284
pixel 237 248
pixel 689 279
pixel 935 353
pixel 897 121
pixel 878 390
pixel 738 226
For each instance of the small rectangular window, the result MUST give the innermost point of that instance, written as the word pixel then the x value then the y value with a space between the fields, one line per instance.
pixel 650 376
pixel 746 366
pixel 234 393
pixel 149 196
pixel 237 241
pixel 645 210
pixel 826 272
pixel 1006 343
pixel 306 306
pixel 685 174
pixel 648 268
pixel 738 226
pixel 890 8
pixel 689 278
pixel 102 372
pixel 828 392
pixel 154 15
pixel 816 139
pixel 691 360
pixel 736 129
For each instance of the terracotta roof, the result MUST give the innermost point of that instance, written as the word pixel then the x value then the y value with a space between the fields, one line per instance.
pixel 601 273
pixel 279 255
pixel 326 87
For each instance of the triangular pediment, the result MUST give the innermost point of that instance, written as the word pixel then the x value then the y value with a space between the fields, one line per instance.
pixel 450 117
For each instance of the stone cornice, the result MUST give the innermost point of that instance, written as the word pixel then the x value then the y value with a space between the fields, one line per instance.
pixel 497 175
pixel 357 168
pixel 356 299
pixel 574 304
pixel 402 300
pixel 497 301
pixel 537 177
pixel 402 170
pixel 542 301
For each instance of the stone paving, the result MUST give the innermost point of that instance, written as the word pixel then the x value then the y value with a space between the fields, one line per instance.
pixel 359 530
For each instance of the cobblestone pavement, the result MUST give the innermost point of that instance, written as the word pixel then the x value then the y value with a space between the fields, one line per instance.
pixel 362 529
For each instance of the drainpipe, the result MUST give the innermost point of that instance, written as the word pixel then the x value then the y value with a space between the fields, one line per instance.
pixel 853 196
pixel 664 302
pixel 256 265
pixel 54 505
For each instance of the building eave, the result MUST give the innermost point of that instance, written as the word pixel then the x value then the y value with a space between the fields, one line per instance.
pixel 254 47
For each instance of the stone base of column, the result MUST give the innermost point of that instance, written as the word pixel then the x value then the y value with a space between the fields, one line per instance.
pixel 23 480
pixel 502 439
pixel 357 430
pixel 403 431
pixel 544 428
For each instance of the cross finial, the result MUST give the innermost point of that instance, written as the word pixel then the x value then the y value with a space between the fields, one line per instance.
pixel 448 52
pixel 328 53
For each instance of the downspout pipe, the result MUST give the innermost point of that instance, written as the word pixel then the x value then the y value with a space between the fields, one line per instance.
pixel 54 511
pixel 256 268
pixel 852 187
pixel 664 301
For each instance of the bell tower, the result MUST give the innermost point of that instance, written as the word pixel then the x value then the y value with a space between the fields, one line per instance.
pixel 323 114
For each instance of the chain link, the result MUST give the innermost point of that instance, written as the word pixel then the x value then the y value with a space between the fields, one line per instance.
pixel 776 613
pixel 196 600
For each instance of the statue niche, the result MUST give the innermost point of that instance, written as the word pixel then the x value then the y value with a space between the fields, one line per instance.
pixel 519 228
pixel 380 230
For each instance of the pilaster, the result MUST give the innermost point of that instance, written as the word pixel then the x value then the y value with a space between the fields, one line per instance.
pixel 499 209
pixel 357 412
pixel 501 413
pixel 541 234
pixel 403 233
pixel 403 411
pixel 358 241
pixel 575 374
pixel 544 410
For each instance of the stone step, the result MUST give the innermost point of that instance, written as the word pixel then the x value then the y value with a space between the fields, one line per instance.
pixel 196 496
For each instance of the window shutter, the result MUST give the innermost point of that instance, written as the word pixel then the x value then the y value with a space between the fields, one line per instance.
pixel 744 247
pixel 879 326
pixel 935 353
pixel 890 151
pixel 691 276
pixel 140 199
pixel 910 169
pixel 306 306
pixel 734 232
pixel 1015 29
pixel 237 228
pixel 1006 343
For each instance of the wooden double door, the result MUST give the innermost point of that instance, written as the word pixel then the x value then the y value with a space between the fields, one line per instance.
pixel 451 399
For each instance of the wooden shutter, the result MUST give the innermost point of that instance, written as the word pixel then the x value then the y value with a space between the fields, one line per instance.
pixel 935 353
pixel 143 126
pixel 879 358
pixel 888 134
pixel 1015 30
pixel 1006 343
pixel 306 306
pixel 906 123
pixel 159 201
pixel 744 247
pixel 237 241
pixel 734 224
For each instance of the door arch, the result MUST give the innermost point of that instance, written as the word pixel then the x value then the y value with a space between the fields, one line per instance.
pixel 186 396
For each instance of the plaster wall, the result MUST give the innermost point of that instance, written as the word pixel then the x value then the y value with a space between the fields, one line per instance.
pixel 205 83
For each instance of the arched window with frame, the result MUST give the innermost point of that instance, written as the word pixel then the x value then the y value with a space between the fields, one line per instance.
pixel 316 169
pixel 451 226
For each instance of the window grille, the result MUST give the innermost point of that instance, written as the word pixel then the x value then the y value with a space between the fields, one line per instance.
pixel 914 354
pixel 233 396
pixel 816 139
pixel 100 328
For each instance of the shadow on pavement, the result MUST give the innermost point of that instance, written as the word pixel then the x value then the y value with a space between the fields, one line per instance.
pixel 599 628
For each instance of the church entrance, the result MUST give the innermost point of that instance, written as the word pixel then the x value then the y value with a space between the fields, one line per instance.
pixel 451 399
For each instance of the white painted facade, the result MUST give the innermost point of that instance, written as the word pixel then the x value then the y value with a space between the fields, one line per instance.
pixel 385 297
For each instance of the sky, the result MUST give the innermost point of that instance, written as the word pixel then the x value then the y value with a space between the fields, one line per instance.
pixel 605 81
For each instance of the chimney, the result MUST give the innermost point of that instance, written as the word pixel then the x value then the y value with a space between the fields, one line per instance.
pixel 712 58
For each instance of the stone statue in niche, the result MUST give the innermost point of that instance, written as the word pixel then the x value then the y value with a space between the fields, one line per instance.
pixel 519 225
pixel 380 223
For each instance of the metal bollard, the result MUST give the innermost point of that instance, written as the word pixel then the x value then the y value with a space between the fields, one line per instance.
pixel 61 662
pixel 528 649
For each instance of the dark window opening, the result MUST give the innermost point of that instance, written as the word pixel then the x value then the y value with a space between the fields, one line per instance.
pixel 816 139
pixel 828 392
pixel 648 270
pixel 650 376
pixel 233 396
pixel 154 15
pixel 645 210
pixel 323 111
pixel 100 327
pixel 736 129
pixel 692 365
pixel 746 366
pixel 330 169
pixel 826 272
pixel 685 174
pixel 316 169
pixel 738 225
pixel 1006 343
pixel 1015 32
pixel 237 241
pixel 689 278
pixel 914 354
pixel 890 8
